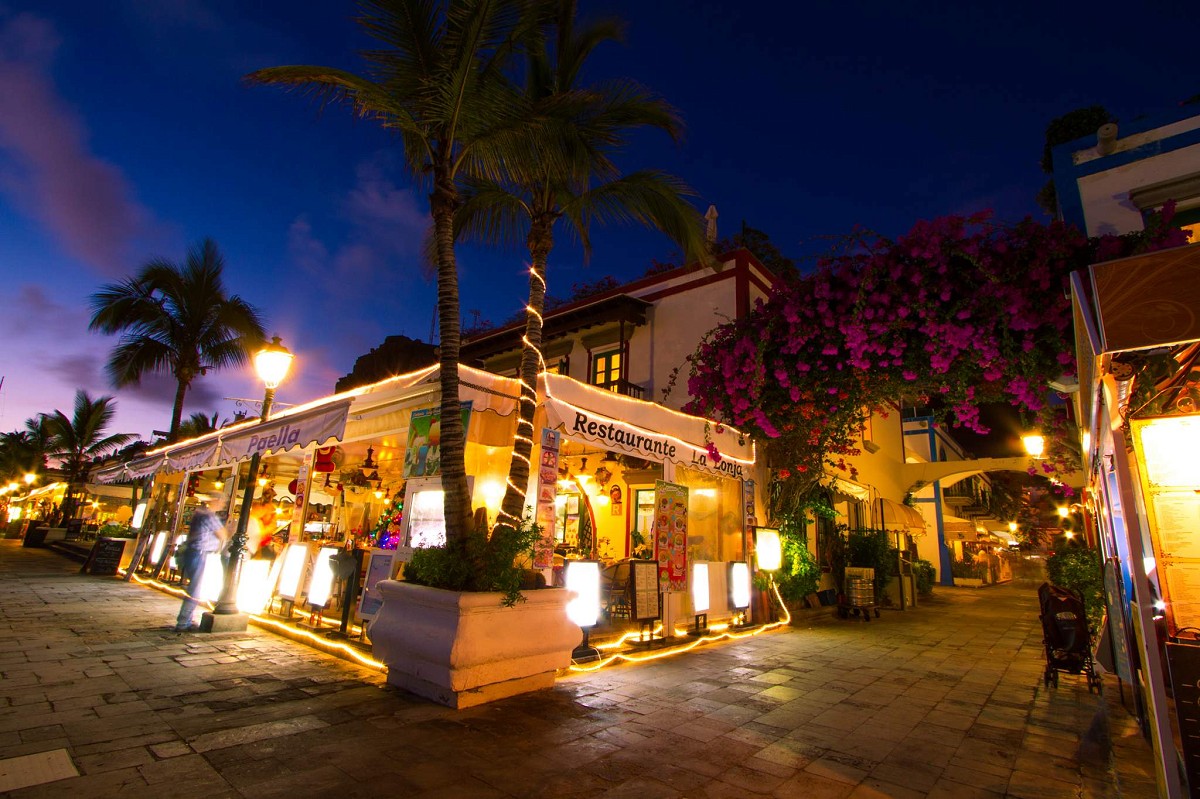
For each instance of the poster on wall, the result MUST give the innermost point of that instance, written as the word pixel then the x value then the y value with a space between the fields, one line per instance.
pixel 547 482
pixel 423 455
pixel 299 489
pixel 671 535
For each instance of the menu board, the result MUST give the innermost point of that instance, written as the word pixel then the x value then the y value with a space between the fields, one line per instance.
pixel 671 535
pixel 106 555
pixel 379 568
pixel 1177 516
pixel 1170 479
pixel 643 577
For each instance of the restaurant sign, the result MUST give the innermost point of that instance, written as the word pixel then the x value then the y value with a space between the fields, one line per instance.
pixel 616 435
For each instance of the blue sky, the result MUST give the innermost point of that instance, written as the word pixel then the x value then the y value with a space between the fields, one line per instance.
pixel 126 133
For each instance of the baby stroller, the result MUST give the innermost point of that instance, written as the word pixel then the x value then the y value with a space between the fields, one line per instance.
pixel 1065 635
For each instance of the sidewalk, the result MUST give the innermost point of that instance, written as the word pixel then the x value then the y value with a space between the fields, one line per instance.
pixel 943 701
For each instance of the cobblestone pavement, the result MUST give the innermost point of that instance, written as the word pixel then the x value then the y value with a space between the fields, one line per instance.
pixel 942 701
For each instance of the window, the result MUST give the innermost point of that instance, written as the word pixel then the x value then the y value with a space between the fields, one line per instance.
pixel 606 370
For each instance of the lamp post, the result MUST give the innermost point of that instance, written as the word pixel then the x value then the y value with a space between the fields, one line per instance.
pixel 271 363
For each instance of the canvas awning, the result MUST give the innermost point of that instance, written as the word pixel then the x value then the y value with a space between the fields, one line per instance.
pixel 195 456
pixel 898 517
pixel 110 474
pixel 959 529
pixel 642 429
pixel 1148 300
pixel 291 429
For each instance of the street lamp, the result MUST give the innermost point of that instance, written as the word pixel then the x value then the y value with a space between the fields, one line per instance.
pixel 1035 444
pixel 271 363
pixel 29 478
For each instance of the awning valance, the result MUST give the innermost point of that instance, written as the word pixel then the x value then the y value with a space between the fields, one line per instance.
pixel 898 517
pixel 110 474
pixel 642 429
pixel 959 529
pixel 197 456
pixel 291 429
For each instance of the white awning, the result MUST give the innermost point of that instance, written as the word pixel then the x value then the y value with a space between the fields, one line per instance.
pixel 143 467
pixel 959 529
pixel 110 474
pixel 902 518
pixel 298 427
pixel 643 429
pixel 197 456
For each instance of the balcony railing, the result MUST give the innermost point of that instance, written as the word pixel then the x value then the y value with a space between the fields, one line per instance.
pixel 625 387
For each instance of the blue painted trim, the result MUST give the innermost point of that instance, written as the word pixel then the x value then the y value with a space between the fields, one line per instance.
pixel 1066 173
pixel 1147 150
pixel 1140 125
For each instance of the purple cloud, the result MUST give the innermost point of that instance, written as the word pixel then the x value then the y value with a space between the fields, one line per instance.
pixel 47 169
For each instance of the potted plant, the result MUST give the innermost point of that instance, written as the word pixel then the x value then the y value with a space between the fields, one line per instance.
pixel 460 630
pixel 967 573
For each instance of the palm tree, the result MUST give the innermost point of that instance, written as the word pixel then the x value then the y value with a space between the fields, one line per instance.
pixel 437 79
pixel 176 319
pixel 580 186
pixel 24 451
pixel 198 424
pixel 78 440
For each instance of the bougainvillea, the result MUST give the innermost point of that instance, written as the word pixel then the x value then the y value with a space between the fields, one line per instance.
pixel 957 313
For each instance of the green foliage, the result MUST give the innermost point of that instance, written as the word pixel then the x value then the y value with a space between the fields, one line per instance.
pixel 1078 568
pixel 478 563
pixel 800 574
pixel 968 569
pixel 114 530
pixel 925 575
pixel 870 548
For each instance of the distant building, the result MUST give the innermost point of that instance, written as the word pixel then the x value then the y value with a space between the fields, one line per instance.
pixel 1107 182
pixel 632 339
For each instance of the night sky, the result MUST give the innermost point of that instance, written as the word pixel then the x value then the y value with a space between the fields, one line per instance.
pixel 126 133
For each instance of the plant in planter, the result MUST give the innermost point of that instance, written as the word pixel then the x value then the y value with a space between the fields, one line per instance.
pixel 443 639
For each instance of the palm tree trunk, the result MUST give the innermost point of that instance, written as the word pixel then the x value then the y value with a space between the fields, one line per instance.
pixel 181 387
pixel 457 502
pixel 540 241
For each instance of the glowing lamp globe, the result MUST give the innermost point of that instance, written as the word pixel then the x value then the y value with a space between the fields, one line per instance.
pixel 272 363
pixel 1035 445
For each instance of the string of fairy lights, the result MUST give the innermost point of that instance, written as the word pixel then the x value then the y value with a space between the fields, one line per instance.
pixel 528 397
pixel 349 652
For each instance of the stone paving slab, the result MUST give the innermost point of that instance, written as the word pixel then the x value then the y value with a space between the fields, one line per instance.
pixel 942 701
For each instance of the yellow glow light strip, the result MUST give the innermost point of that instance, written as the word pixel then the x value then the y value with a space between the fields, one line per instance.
pixel 678 650
pixel 287 630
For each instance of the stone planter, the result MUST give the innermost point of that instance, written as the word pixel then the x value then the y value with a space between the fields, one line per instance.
pixel 465 649
pixel 968 582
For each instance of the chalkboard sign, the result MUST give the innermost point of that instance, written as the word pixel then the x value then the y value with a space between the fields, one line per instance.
pixel 106 555
pixel 1183 660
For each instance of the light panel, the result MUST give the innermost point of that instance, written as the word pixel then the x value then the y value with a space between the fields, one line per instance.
pixel 700 588
pixel 583 578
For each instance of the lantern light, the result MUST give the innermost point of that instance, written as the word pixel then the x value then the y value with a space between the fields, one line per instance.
pixel 272 363
pixel 583 579
pixel 1035 444
pixel 768 549
pixel 700 598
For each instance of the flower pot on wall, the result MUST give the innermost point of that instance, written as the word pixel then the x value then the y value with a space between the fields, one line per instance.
pixel 463 649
